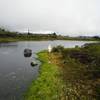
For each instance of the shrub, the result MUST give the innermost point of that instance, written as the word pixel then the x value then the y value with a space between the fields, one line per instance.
pixel 58 49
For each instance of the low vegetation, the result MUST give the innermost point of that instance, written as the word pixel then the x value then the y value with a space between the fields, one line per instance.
pixel 80 70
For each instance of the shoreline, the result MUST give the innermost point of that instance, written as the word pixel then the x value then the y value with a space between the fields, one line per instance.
pixel 64 74
pixel 48 85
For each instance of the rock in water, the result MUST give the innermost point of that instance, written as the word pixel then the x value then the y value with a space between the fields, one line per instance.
pixel 33 63
pixel 27 53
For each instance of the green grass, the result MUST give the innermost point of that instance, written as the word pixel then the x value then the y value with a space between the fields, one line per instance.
pixel 8 39
pixel 48 85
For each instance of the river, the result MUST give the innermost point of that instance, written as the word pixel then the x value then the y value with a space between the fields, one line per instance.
pixel 16 72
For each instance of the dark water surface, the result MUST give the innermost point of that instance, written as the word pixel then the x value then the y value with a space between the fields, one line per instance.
pixel 16 72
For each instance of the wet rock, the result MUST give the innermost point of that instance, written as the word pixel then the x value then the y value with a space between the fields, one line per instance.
pixel 27 53
pixel 33 64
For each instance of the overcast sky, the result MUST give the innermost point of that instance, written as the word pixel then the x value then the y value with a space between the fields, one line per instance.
pixel 68 17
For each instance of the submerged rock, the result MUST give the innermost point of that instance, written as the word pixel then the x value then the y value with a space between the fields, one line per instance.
pixel 33 64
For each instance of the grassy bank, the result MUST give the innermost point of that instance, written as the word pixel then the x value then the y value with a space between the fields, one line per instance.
pixel 68 74
pixel 48 85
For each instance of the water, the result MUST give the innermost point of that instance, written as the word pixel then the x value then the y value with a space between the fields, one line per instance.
pixel 16 73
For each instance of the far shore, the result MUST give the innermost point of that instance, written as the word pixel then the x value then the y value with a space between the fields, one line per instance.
pixel 10 39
